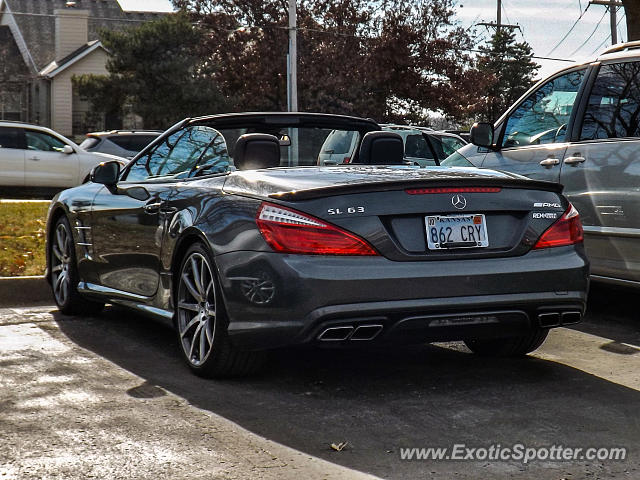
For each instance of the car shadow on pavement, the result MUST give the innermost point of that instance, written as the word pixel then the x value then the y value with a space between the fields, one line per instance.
pixel 381 400
pixel 613 313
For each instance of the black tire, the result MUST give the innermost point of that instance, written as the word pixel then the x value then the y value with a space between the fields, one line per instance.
pixel 509 347
pixel 201 321
pixel 64 273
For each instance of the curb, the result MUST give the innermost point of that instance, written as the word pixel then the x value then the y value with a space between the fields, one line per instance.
pixel 24 291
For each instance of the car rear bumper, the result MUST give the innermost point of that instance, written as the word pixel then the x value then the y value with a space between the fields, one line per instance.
pixel 353 300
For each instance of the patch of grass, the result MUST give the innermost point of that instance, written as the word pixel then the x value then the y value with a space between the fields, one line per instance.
pixel 22 238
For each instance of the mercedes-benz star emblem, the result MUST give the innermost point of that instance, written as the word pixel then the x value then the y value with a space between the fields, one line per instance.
pixel 458 201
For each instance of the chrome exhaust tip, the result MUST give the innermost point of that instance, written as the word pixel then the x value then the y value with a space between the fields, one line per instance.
pixel 549 319
pixel 569 318
pixel 366 332
pixel 335 334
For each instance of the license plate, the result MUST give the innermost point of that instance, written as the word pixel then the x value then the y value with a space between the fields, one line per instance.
pixel 456 231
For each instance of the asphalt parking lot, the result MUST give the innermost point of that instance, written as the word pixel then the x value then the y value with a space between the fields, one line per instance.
pixel 109 397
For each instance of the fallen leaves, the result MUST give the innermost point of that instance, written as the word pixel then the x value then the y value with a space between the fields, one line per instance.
pixel 338 447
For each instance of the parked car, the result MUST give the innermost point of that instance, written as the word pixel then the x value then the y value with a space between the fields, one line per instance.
pixel 248 259
pixel 123 143
pixel 423 146
pixel 39 159
pixel 580 127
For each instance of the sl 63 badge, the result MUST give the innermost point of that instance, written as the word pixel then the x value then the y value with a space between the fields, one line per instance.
pixel 343 211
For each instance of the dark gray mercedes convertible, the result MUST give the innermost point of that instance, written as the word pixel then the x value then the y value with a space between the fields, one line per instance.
pixel 224 228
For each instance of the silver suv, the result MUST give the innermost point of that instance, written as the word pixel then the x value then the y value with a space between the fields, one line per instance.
pixel 580 127
pixel 37 159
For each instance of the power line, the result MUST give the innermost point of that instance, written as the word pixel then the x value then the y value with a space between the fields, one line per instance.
pixel 589 37
pixel 504 7
pixel 360 37
pixel 570 30
pixel 608 38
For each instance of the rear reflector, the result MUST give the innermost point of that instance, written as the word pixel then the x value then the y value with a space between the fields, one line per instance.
pixel 289 231
pixel 567 230
pixel 426 191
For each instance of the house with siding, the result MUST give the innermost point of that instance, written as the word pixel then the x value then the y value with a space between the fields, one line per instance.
pixel 43 44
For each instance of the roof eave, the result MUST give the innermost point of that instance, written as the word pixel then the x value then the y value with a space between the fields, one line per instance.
pixel 53 69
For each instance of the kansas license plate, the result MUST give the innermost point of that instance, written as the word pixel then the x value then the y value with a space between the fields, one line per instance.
pixel 456 231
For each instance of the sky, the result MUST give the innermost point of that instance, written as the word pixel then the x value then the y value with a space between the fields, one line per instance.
pixel 543 24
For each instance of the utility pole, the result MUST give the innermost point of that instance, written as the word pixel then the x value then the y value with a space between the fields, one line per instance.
pixel 498 25
pixel 292 82
pixel 612 5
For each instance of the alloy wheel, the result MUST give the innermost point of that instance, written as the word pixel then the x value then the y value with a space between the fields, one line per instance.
pixel 196 308
pixel 61 263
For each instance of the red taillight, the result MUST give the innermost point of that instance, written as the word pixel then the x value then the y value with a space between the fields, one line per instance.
pixel 424 191
pixel 567 230
pixel 289 231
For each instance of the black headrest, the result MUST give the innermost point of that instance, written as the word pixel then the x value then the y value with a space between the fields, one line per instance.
pixel 256 150
pixel 381 148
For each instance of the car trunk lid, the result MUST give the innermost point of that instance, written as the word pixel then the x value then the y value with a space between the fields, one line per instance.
pixel 391 208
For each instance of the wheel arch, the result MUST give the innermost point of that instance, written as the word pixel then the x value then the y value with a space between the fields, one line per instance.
pixel 190 236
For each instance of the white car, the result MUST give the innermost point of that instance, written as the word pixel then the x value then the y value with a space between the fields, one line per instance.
pixel 34 158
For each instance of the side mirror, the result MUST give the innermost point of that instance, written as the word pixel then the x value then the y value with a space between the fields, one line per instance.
pixel 481 134
pixel 106 173
pixel 68 149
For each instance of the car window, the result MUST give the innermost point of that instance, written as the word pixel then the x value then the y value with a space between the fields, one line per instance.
pixel 89 142
pixel 456 159
pixel 614 104
pixel 138 142
pixel 174 157
pixel 444 145
pixel 11 138
pixel 215 158
pixel 123 141
pixel 43 141
pixel 338 142
pixel 451 144
pixel 415 146
pixel 543 116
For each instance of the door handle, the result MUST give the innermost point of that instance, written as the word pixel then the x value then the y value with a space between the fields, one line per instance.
pixel 35 159
pixel 574 160
pixel 549 162
pixel 615 210
pixel 152 207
